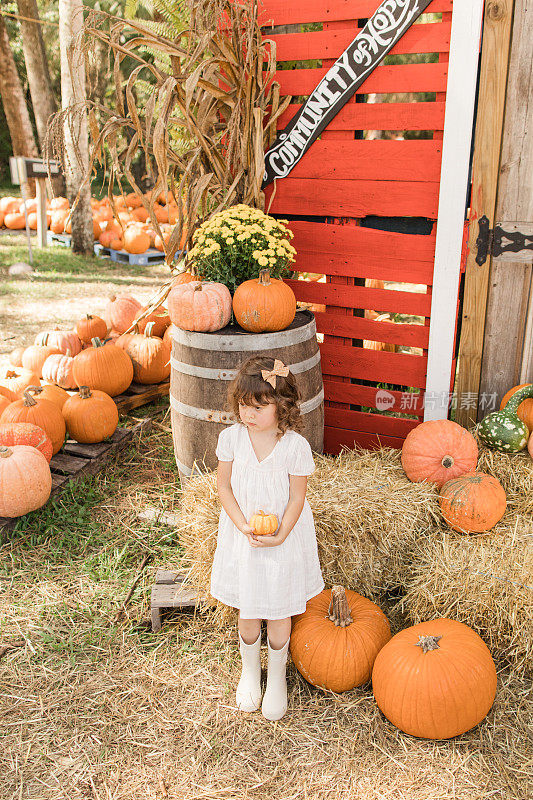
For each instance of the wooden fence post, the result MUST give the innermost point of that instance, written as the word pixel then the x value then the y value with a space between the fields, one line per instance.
pixel 507 350
pixel 489 125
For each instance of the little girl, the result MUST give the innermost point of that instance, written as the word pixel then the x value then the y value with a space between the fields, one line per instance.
pixel 263 465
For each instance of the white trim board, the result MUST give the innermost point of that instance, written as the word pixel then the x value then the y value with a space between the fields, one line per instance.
pixel 460 97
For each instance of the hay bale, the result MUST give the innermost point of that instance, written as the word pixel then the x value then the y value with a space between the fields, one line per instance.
pixel 484 580
pixel 368 517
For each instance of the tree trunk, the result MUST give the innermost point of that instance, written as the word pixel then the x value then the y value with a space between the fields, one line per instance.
pixel 15 109
pixel 76 138
pixel 42 96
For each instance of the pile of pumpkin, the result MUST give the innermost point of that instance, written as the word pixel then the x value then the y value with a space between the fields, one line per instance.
pixel 446 454
pixel 38 406
pixel 259 305
pixel 132 231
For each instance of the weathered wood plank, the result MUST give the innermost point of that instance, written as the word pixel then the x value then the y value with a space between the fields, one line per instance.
pixel 362 297
pixel 369 423
pixel 356 394
pixel 489 125
pixel 127 403
pixel 357 362
pixel 337 439
pixel 361 328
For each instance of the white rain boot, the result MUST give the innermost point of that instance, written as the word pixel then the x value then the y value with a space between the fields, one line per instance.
pixel 248 695
pixel 275 700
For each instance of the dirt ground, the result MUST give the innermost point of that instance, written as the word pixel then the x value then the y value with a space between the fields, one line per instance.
pixel 98 708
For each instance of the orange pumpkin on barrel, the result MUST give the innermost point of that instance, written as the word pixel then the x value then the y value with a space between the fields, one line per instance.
pixel 264 304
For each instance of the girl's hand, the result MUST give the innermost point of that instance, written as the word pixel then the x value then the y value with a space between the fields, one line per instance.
pixel 249 533
pixel 274 540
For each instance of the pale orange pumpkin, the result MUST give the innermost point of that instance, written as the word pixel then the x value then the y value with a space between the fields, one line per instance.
pixel 150 357
pixel 39 412
pixel 263 524
pixel 185 277
pixel 335 641
pixel 438 450
pixel 525 409
pixel 15 221
pixel 473 503
pixel 63 340
pixel 18 379
pixel 91 327
pixel 58 369
pixel 15 433
pixel 4 402
pixel 59 203
pixel 91 416
pixel 10 205
pixel 7 394
pixel 35 355
pixel 199 306
pixel 15 357
pixel 107 368
pixel 435 680
pixel 264 304
pixel 120 312
pixel 25 480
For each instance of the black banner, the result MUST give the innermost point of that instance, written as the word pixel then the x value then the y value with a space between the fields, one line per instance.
pixel 361 57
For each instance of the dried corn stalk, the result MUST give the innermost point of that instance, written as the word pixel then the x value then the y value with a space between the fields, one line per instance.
pixel 218 89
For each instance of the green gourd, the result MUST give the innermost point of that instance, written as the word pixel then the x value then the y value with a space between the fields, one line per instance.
pixel 503 430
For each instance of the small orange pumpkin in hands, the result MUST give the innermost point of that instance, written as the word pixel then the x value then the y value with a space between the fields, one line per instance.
pixel 264 524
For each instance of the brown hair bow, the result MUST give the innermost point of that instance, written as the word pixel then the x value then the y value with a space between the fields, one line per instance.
pixel 270 375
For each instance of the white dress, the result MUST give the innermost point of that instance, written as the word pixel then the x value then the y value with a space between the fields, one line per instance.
pixel 265 582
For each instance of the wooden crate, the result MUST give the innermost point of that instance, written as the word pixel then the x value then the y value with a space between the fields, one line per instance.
pixel 137 395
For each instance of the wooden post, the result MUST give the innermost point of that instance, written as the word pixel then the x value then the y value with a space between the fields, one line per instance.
pixel 40 186
pixel 460 97
pixel 508 341
pixel 489 126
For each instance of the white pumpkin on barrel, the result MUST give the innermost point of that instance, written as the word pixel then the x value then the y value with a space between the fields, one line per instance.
pixel 200 306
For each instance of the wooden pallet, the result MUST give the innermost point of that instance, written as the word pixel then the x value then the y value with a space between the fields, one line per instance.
pixel 81 460
pixel 138 395
pixel 151 256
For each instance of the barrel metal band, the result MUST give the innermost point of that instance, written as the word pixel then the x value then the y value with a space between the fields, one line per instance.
pixel 225 417
pixel 244 342
pixel 229 374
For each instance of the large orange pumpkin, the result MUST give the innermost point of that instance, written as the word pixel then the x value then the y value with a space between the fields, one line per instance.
pixel 4 402
pixel 91 327
pixel 136 240
pixel 264 304
pixel 120 312
pixel 39 412
pixel 525 409
pixel 335 641
pixel 199 306
pixel 160 319
pixel 103 367
pixel 473 503
pixel 15 221
pixel 15 356
pixel 150 357
pixel 25 480
pixel 438 450
pixel 91 416
pixel 435 680
pixel 15 433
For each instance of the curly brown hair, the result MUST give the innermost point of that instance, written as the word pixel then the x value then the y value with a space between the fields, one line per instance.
pixel 249 388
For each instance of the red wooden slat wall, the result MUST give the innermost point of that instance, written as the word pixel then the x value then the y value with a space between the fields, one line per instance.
pixel 344 178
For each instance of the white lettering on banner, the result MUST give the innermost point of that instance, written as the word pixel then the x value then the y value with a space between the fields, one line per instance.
pixel 372 43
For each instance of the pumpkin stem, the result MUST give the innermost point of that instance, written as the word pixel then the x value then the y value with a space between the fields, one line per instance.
pixel 264 277
pixel 447 462
pixel 12 374
pixel 339 611
pixel 149 328
pixel 198 288
pixel 68 353
pixel 28 399
pixel 428 643
pixel 5 452
pixel 84 392
pixel 96 342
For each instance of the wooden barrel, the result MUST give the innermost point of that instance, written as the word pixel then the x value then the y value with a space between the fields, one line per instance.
pixel 202 364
